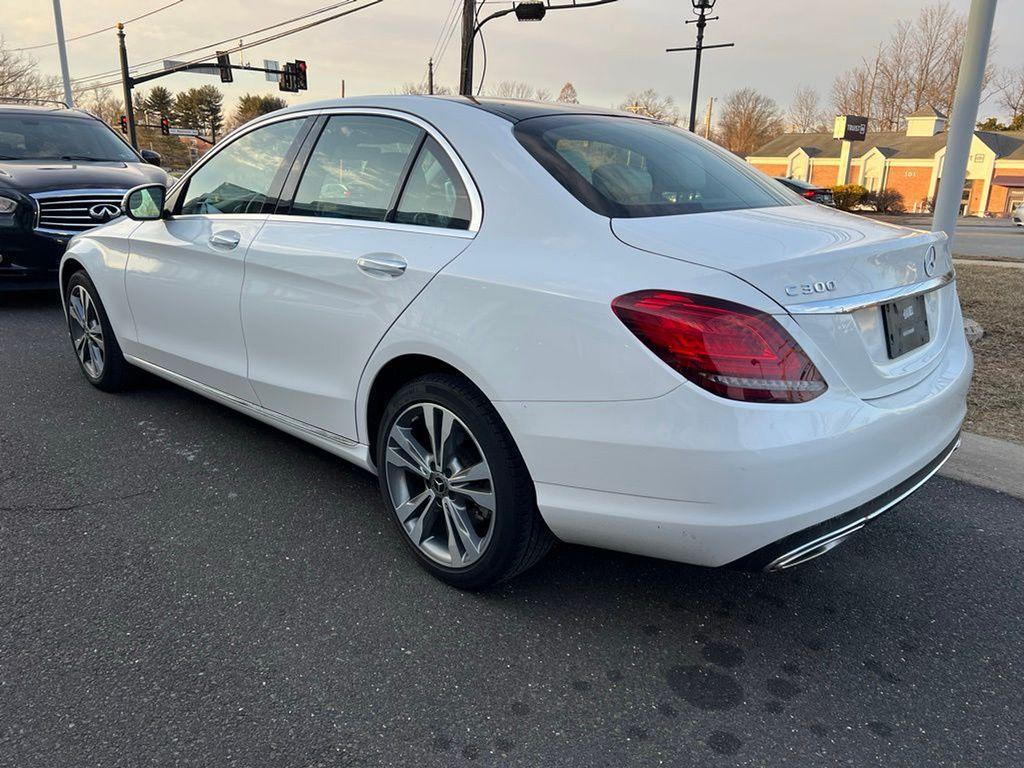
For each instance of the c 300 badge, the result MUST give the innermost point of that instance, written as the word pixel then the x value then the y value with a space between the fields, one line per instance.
pixel 808 289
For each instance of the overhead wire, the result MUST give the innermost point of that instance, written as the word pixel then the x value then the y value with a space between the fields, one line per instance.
pixel 98 31
pixel 292 20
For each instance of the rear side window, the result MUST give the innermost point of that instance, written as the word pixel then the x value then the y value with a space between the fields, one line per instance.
pixel 434 195
pixel 628 168
pixel 355 170
pixel 241 178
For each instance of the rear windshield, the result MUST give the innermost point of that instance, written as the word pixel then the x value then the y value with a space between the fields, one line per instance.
pixel 48 137
pixel 628 168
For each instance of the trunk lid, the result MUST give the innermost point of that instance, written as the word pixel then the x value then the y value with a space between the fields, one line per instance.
pixel 810 257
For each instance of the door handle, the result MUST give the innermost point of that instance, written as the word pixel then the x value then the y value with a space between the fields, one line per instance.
pixel 227 239
pixel 382 265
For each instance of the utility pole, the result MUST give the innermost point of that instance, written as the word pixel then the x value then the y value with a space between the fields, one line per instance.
pixel 701 8
pixel 707 117
pixel 430 77
pixel 964 117
pixel 468 33
pixel 62 50
pixel 126 86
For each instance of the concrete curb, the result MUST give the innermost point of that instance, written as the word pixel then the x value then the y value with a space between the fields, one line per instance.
pixel 988 462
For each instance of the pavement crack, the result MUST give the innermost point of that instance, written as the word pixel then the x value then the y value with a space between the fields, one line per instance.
pixel 81 505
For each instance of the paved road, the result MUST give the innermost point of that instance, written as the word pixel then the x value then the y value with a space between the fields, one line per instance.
pixel 180 585
pixel 995 239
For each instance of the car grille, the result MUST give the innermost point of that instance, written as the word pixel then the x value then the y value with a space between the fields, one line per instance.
pixel 71 211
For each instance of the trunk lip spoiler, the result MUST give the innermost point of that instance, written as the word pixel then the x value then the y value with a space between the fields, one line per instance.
pixel 850 304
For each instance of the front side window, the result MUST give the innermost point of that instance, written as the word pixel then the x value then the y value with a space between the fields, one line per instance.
pixel 240 179
pixel 356 168
pixel 434 195
pixel 625 167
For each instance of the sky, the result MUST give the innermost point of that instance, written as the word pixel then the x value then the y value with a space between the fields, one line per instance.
pixel 606 51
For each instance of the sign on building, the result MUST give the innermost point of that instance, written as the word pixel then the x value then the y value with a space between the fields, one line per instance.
pixel 850 128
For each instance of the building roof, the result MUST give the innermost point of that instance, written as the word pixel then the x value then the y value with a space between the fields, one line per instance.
pixel 928 112
pixel 892 144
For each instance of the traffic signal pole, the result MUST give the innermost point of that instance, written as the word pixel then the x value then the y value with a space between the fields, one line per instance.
pixel 62 51
pixel 126 86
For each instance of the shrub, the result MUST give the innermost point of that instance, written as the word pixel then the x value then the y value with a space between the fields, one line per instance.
pixel 886 201
pixel 848 196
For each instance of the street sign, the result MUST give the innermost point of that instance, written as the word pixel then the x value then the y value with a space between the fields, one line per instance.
pixel 272 65
pixel 183 131
pixel 850 128
pixel 213 69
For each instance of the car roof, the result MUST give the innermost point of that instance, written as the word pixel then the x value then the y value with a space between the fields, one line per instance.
pixel 796 183
pixel 11 108
pixel 513 110
pixel 516 110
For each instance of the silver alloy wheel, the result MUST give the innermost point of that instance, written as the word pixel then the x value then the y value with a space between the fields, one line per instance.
pixel 440 485
pixel 86 331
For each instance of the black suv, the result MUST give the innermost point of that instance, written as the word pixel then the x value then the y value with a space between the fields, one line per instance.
pixel 62 171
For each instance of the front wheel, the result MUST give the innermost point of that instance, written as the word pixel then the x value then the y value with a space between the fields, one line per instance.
pixel 99 354
pixel 456 485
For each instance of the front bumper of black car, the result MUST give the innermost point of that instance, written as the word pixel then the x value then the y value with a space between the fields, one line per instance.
pixel 29 260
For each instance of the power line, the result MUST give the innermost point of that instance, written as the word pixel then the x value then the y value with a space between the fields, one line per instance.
pixel 292 20
pixel 268 39
pixel 98 31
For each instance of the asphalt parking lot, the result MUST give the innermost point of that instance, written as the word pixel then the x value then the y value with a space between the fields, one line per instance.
pixel 181 585
pixel 995 239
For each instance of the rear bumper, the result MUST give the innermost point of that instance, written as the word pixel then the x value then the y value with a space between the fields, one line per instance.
pixel 815 541
pixel 693 478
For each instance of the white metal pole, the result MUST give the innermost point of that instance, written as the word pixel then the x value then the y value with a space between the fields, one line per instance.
pixel 62 49
pixel 964 117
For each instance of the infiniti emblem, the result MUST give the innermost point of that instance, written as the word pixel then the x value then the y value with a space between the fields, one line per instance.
pixel 930 262
pixel 103 212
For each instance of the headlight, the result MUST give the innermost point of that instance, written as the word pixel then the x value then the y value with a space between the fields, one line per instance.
pixel 7 205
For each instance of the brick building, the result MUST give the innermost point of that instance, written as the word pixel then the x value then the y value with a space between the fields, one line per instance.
pixel 909 161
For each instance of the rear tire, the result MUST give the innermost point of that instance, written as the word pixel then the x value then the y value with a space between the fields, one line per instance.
pixel 456 486
pixel 92 338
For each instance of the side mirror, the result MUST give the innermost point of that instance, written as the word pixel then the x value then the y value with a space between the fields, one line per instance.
pixel 151 157
pixel 145 203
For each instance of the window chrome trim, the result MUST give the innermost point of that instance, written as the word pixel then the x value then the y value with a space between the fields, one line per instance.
pixel 393 226
pixel 864 300
pixel 475 201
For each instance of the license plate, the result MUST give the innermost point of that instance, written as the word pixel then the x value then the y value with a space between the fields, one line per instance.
pixel 906 325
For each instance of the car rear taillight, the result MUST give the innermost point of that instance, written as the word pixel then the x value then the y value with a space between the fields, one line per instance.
pixel 810 193
pixel 728 349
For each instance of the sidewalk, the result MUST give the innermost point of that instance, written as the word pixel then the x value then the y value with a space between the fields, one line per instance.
pixel 988 462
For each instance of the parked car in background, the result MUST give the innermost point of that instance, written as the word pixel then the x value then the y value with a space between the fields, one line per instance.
pixel 532 319
pixel 62 172
pixel 1018 215
pixel 809 191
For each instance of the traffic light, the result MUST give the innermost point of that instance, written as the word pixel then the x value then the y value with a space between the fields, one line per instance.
pixel 300 75
pixel 124 124
pixel 224 62
pixel 286 80
pixel 165 126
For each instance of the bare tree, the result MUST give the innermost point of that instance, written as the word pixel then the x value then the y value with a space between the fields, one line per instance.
pixel 1011 92
pixel 513 89
pixel 916 67
pixel 568 94
pixel 805 113
pixel 20 79
pixel 650 103
pixel 543 94
pixel 748 120
pixel 419 89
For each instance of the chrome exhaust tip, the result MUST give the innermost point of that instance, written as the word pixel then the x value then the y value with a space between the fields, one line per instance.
pixel 811 550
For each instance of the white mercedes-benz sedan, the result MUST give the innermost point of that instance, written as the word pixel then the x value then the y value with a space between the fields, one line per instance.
pixel 534 321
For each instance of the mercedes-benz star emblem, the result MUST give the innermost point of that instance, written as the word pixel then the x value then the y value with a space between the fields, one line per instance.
pixel 103 212
pixel 931 262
